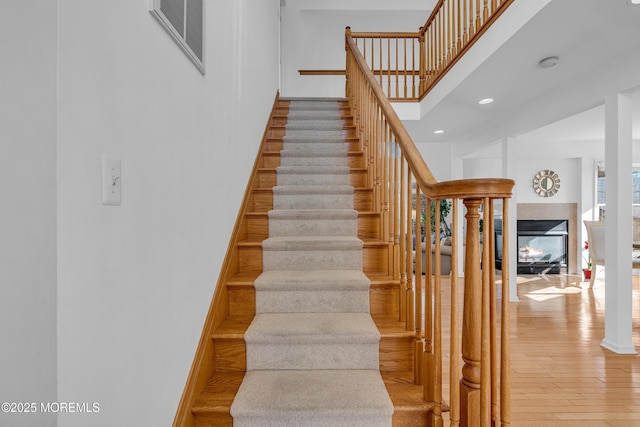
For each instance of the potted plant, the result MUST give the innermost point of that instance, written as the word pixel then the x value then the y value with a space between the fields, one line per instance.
pixel 587 271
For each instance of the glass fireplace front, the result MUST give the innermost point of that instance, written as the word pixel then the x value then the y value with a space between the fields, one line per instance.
pixel 542 246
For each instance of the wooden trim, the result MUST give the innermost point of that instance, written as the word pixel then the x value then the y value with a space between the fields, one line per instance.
pixel 402 34
pixel 322 72
pixel 202 366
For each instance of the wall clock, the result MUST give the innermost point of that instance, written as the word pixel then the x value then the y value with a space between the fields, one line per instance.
pixel 546 183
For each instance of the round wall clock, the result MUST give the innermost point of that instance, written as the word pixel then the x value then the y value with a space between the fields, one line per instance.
pixel 546 183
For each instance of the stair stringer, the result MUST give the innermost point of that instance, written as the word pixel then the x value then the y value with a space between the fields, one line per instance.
pixel 203 365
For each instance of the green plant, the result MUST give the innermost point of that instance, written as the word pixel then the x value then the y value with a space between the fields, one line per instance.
pixel 445 209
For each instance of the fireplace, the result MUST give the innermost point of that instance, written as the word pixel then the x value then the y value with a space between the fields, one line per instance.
pixel 543 246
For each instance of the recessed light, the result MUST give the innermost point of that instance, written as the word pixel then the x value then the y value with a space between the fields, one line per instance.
pixel 485 101
pixel 438 132
pixel 549 62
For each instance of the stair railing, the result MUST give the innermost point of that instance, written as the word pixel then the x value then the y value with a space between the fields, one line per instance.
pixel 408 65
pixel 403 189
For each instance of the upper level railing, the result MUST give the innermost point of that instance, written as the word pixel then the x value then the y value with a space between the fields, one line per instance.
pixel 408 65
pixel 403 188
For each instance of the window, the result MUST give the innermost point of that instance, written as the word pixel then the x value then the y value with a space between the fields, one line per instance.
pixel 184 20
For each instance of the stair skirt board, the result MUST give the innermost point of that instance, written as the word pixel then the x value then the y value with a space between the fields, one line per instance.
pixel 312 348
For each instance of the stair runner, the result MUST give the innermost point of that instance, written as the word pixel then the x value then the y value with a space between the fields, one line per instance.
pixel 312 348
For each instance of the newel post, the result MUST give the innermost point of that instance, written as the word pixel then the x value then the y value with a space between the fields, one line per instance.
pixel 471 320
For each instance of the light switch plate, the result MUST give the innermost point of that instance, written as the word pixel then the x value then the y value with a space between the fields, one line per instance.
pixel 111 181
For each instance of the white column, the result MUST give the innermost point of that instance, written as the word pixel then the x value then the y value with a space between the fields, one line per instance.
pixel 618 217
pixel 509 163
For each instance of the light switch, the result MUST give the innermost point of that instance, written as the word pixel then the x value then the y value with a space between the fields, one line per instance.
pixel 111 181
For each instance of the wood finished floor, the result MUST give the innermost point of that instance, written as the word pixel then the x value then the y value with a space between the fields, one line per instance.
pixel 561 376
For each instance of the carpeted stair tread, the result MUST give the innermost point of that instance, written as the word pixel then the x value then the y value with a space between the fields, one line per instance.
pixel 353 398
pixel 309 222
pixel 312 328
pixel 286 341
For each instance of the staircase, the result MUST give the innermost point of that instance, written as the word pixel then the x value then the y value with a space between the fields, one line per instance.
pixel 309 331
pixel 312 348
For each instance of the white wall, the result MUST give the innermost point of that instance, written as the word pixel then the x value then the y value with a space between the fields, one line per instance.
pixel 136 280
pixel 28 213
pixel 313 37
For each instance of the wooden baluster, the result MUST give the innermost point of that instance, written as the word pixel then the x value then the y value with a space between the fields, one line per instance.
pixel 428 307
pixel 489 237
pixel 380 60
pixel 413 70
pixel 422 81
pixel 454 368
pixel 468 17
pixel 404 272
pixel 486 12
pixel 395 208
pixel 388 67
pixel 397 70
pixel 419 343
pixel 384 158
pixel 505 324
pixel 472 320
pixel 410 253
pixel 459 29
pixel 405 66
pixel 485 361
pixel 478 20
pixel 450 31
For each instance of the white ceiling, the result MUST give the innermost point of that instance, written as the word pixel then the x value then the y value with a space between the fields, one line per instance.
pixel 598 43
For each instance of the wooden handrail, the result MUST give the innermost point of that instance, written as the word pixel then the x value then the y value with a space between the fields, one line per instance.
pixel 404 191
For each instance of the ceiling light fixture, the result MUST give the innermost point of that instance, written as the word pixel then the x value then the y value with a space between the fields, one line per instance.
pixel 549 62
pixel 633 2
pixel 438 132
pixel 485 101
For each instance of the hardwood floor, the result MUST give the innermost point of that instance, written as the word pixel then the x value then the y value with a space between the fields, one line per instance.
pixel 561 376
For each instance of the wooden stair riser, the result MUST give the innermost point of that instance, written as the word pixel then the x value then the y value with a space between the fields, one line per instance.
pixel 217 419
pixel 230 354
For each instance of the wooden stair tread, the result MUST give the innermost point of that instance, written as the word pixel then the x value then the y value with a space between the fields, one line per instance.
pixel 243 278
pixel 233 327
pixel 405 395
pixel 219 393
pixel 389 326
